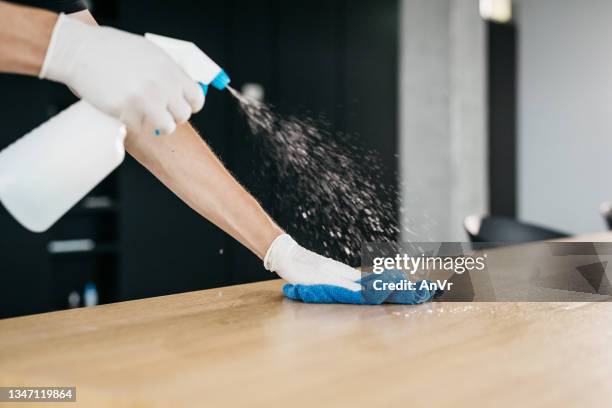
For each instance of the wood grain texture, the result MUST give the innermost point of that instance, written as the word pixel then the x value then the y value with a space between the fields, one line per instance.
pixel 247 346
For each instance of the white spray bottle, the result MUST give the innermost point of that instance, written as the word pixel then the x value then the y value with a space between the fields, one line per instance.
pixel 51 168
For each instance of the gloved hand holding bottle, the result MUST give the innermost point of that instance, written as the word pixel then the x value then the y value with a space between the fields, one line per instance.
pixel 122 74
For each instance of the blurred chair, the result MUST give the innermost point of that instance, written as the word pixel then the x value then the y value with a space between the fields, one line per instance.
pixel 491 228
pixel 606 211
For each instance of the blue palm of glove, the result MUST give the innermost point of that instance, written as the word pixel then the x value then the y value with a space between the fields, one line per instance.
pixel 367 296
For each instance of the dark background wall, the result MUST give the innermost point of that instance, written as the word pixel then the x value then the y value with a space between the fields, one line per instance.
pixel 337 58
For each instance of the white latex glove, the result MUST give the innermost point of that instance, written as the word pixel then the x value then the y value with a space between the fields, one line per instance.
pixel 122 74
pixel 297 265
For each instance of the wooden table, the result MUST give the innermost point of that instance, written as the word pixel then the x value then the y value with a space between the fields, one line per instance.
pixel 247 346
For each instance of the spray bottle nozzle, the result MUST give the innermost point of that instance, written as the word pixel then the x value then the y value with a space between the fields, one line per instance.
pixel 221 80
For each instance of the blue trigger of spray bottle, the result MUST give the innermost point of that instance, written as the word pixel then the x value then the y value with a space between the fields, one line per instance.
pixel 204 88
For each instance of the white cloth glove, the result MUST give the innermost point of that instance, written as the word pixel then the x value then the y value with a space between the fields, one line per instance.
pixel 122 74
pixel 297 265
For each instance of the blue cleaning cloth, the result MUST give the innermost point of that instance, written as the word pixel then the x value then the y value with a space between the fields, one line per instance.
pixel 367 296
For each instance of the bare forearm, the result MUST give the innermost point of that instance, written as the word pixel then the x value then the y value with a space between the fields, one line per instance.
pixel 24 37
pixel 188 167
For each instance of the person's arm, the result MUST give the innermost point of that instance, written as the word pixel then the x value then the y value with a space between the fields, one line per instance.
pixel 25 33
pixel 190 169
